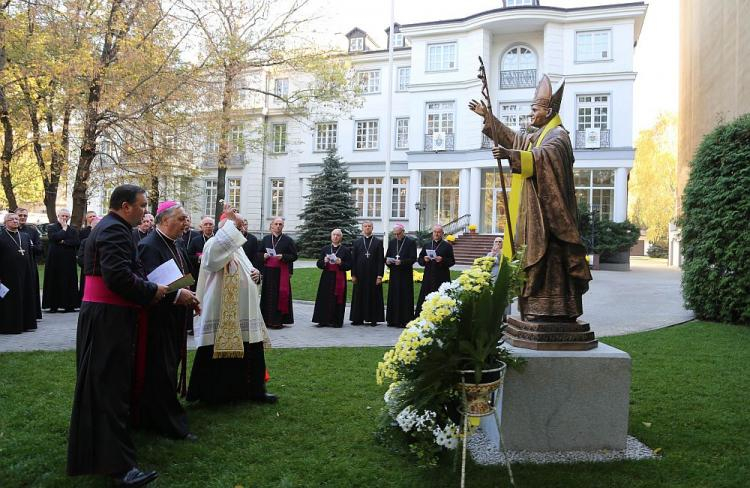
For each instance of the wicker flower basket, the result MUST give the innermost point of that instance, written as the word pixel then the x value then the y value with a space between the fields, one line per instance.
pixel 479 396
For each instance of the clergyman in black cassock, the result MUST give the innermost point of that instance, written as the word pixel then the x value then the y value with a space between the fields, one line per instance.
pixel 367 277
pixel 400 258
pixel 252 246
pixel 83 234
pixel 166 336
pixel 436 271
pixel 17 308
pixel 330 302
pixel 60 270
pixel 276 293
pixel 116 291
pixel 195 248
pixel 36 254
pixel 144 228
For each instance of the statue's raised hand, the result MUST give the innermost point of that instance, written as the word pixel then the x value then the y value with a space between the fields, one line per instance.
pixel 478 108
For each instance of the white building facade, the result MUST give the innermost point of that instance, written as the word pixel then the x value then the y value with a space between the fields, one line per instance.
pixel 439 160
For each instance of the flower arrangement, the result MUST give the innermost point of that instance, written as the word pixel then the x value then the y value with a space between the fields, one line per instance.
pixel 450 238
pixel 472 227
pixel 460 328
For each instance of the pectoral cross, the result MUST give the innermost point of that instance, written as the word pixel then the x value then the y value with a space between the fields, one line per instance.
pixel 367 254
pixel 397 256
pixel 21 252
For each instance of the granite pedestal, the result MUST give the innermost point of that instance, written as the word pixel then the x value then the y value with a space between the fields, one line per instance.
pixel 565 400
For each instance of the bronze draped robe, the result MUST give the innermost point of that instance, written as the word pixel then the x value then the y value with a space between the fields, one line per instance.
pixel 557 273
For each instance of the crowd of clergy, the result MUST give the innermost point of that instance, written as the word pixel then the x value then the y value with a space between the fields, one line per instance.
pixel 131 341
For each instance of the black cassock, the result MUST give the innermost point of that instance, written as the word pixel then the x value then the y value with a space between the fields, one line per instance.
pixel 187 237
pixel 252 248
pixel 82 236
pixel 138 236
pixel 159 408
pixel 36 254
pixel 367 297
pixel 194 252
pixel 269 298
pixel 401 283
pixel 17 309
pixel 435 274
pixel 100 441
pixel 328 312
pixel 60 270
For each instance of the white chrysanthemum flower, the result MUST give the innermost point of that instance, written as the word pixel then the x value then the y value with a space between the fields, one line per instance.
pixel 407 418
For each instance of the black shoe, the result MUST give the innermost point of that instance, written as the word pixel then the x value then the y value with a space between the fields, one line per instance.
pixel 337 326
pixel 136 477
pixel 320 326
pixel 265 398
pixel 373 324
pixel 190 437
pixel 358 323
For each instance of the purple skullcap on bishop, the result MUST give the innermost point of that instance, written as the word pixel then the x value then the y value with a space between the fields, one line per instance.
pixel 398 226
pixel 164 206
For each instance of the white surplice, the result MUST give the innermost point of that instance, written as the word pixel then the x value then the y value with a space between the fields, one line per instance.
pixel 224 247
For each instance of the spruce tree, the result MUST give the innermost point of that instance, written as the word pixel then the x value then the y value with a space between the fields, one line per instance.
pixel 328 206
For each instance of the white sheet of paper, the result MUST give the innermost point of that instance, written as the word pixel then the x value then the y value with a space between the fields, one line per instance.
pixel 432 254
pixel 390 260
pixel 165 274
pixel 3 290
pixel 271 251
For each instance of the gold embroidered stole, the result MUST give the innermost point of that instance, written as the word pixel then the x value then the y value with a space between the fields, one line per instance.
pixel 228 338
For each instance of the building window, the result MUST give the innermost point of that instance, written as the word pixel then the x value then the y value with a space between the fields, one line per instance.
pixel 236 138
pixel 594 45
pixel 399 187
pixel 357 44
pixel 209 205
pixel 596 189
pixel 366 134
pixel 402 133
pixel 515 115
pixel 279 138
pixel 398 39
pixel 441 57
pixel 404 74
pixel 439 193
pixel 212 143
pixel 233 191
pixel 325 136
pixel 281 87
pixel 440 117
pixel 369 81
pixel 518 68
pixel 366 193
pixel 277 197
pixel 519 3
pixel 593 112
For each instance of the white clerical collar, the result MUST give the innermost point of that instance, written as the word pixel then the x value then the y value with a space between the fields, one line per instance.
pixel 164 235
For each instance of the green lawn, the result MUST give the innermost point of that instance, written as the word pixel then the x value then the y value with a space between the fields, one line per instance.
pixel 689 385
pixel 305 285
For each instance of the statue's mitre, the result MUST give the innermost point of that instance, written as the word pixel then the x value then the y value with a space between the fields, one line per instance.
pixel 544 96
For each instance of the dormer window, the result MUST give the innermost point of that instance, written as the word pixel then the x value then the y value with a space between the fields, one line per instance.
pixel 356 44
pixel 398 40
pixel 521 3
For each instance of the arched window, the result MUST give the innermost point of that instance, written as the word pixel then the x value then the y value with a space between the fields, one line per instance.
pixel 518 68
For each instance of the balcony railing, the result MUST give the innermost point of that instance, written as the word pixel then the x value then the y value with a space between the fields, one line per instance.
pixel 486 143
pixel 519 78
pixel 592 143
pixel 433 144
pixel 211 160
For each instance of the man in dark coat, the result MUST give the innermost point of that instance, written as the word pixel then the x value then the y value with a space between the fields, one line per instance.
pixel 17 308
pixel 189 233
pixel 144 228
pixel 36 253
pixel 195 249
pixel 437 259
pixel 60 271
pixel 91 217
pixel 400 258
pixel 330 303
pixel 165 337
pixel 116 292
pixel 251 247
pixel 278 253
pixel 367 277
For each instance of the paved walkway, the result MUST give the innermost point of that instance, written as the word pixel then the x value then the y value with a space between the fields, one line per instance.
pixel 647 297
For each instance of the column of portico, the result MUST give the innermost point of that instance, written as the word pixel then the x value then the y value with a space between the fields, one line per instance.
pixel 463 192
pixel 475 196
pixel 413 197
pixel 620 204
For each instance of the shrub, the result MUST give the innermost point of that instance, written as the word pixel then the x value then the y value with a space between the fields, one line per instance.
pixel 602 236
pixel 658 250
pixel 715 237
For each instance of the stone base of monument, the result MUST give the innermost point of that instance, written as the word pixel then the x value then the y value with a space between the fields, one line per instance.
pixel 565 401
pixel 550 336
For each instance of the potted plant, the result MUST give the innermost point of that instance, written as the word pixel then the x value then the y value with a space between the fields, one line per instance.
pixel 472 228
pixel 454 345
pixel 450 238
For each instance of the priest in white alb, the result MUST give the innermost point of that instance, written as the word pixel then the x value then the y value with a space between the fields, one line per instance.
pixel 230 333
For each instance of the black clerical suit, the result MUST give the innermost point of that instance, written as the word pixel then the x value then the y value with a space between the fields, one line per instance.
pixel 401 283
pixel 194 252
pixel 17 310
pixel 100 441
pixel 252 248
pixel 367 296
pixel 269 299
pixel 435 274
pixel 329 309
pixel 60 271
pixel 159 408
pixel 36 254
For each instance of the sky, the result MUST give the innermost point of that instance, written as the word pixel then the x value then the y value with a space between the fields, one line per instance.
pixel 656 55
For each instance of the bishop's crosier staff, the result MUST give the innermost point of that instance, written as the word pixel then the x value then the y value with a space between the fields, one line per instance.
pixel 486 94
